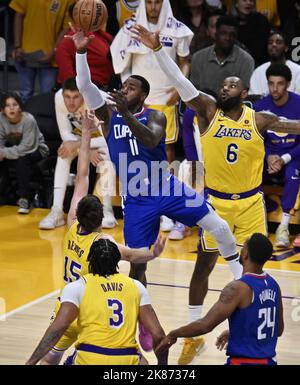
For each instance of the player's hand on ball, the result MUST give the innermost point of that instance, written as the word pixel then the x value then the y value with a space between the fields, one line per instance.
pixel 80 38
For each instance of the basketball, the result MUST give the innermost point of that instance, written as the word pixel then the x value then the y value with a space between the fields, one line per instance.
pixel 90 15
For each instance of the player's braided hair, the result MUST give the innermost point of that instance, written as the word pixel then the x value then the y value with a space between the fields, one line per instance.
pixel 103 258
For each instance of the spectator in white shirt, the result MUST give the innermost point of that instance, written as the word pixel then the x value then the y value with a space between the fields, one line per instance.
pixel 277 49
pixel 69 108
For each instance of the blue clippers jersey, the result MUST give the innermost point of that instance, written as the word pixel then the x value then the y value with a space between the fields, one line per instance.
pixel 254 330
pixel 130 157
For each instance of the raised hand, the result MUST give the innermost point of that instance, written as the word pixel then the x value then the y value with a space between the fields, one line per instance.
pixel 88 122
pixel 149 39
pixel 118 99
pixel 80 38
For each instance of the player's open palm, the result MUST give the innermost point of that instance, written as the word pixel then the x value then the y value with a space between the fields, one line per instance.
pixel 149 39
pixel 80 38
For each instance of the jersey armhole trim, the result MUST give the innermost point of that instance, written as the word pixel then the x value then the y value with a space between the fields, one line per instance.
pixel 210 124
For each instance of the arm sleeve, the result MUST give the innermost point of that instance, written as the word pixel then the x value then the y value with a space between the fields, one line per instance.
pixel 183 86
pixel 64 125
pixel 188 136
pixel 145 298
pixel 73 292
pixel 91 94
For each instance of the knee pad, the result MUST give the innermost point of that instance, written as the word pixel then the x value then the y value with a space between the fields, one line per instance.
pixel 220 230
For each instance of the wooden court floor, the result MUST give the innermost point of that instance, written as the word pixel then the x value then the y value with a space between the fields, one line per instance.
pixel 31 270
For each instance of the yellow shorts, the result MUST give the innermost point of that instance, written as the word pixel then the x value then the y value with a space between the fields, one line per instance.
pixel 244 217
pixel 87 358
pixel 70 335
pixel 172 128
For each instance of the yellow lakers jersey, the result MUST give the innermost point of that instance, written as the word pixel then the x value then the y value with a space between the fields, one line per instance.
pixel 125 9
pixel 76 249
pixel 233 153
pixel 109 311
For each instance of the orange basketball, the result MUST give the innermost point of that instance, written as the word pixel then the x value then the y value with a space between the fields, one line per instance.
pixel 90 15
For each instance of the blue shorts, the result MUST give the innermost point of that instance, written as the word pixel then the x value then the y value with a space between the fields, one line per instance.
pixel 142 213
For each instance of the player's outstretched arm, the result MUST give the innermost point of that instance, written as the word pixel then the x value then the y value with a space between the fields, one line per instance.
pixel 229 300
pixel 149 135
pixel 148 318
pixel 266 120
pixel 203 104
pixel 65 316
pixel 83 165
pixel 93 97
pixel 143 255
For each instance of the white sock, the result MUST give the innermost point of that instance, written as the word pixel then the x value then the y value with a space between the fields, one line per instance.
pixel 285 220
pixel 236 268
pixel 195 312
pixel 107 207
pixel 61 175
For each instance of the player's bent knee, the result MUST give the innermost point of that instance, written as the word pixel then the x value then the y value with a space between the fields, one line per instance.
pixel 220 230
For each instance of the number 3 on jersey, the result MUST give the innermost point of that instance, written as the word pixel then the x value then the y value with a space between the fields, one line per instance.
pixel 232 153
pixel 116 321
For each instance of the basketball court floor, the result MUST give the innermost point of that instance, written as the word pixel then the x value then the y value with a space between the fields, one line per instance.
pixel 31 271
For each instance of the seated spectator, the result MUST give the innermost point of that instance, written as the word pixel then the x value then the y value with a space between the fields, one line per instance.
pixel 21 146
pixel 38 28
pixel 98 54
pixel 291 21
pixel 277 50
pixel 282 150
pixel 253 30
pixel 193 13
pixel 211 65
pixel 210 25
pixel 69 108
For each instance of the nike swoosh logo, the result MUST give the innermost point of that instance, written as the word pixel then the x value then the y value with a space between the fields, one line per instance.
pixel 169 177
pixel 295 177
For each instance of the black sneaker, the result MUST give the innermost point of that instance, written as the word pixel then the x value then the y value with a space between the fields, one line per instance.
pixel 24 206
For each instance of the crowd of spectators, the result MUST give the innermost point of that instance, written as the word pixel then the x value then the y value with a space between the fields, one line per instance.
pixel 209 39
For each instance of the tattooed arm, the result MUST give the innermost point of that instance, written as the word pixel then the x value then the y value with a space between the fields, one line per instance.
pixel 232 296
pixel 269 121
pixel 66 315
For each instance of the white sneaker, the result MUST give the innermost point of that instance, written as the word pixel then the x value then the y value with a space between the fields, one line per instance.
pixel 109 221
pixel 282 237
pixel 166 223
pixel 54 219
pixel 179 232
